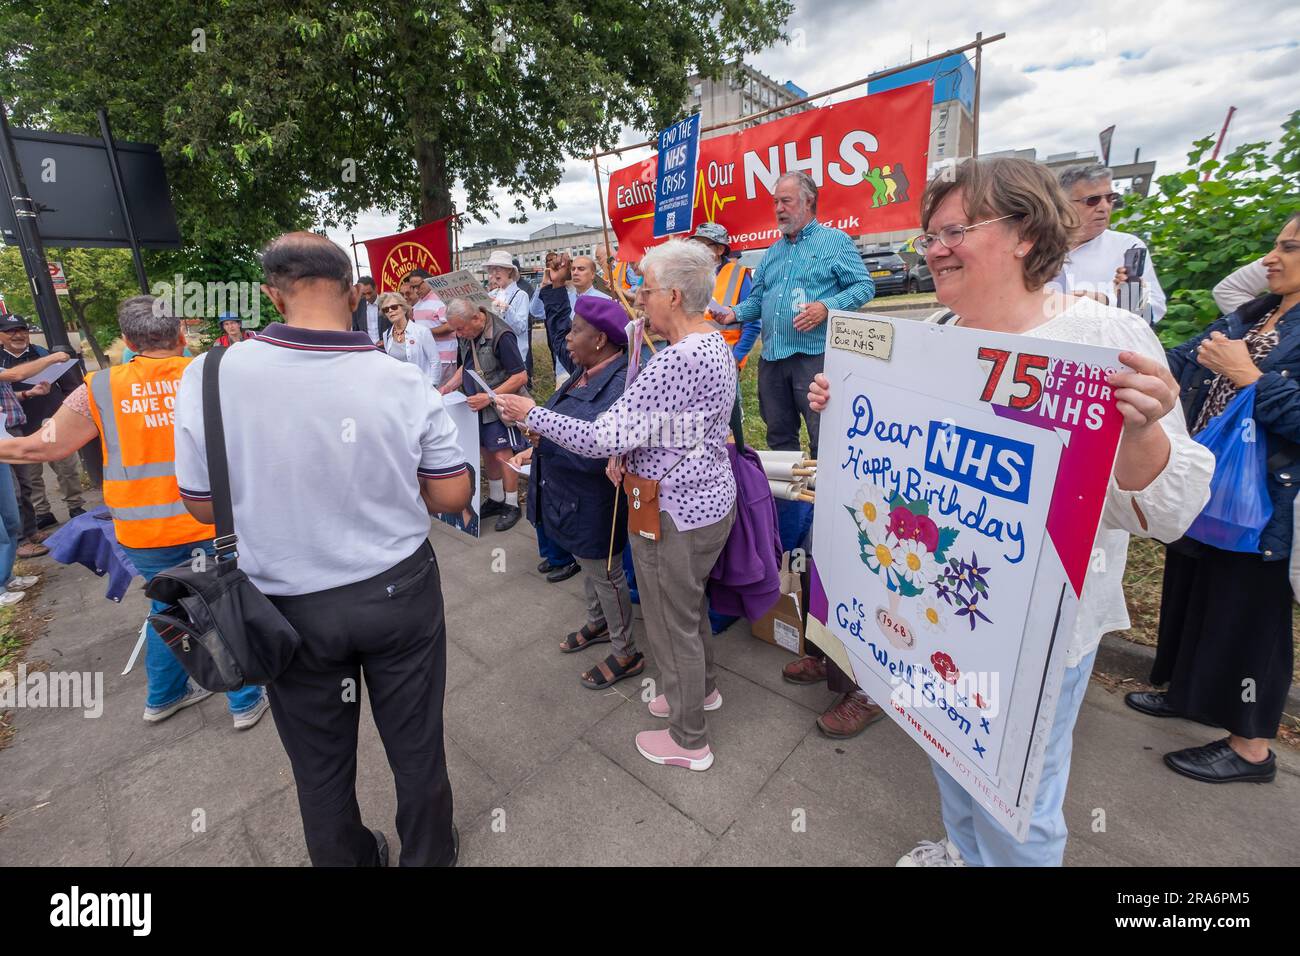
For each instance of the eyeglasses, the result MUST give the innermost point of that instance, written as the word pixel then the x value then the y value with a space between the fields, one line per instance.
pixel 391 308
pixel 1114 199
pixel 952 236
pixel 647 290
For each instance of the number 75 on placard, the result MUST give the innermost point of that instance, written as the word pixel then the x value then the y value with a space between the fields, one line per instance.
pixel 1028 370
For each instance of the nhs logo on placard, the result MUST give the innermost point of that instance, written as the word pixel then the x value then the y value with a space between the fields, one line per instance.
pixel 993 464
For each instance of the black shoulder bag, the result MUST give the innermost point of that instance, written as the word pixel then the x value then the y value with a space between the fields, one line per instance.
pixel 224 631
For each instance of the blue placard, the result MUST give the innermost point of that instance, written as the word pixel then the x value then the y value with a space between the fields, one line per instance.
pixel 679 150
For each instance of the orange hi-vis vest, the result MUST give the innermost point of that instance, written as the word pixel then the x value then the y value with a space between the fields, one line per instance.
pixel 620 277
pixel 133 406
pixel 726 289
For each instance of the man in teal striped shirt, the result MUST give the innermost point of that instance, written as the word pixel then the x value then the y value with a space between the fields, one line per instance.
pixel 809 271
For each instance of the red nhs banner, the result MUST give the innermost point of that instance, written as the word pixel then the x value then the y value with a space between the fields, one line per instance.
pixel 867 156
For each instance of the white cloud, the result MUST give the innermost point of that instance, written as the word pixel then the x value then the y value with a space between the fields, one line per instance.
pixel 1163 73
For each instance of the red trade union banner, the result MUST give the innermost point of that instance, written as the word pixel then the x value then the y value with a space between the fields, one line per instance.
pixel 393 257
pixel 867 155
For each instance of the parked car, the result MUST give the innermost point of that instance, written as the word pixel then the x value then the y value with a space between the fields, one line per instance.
pixel 919 278
pixel 887 269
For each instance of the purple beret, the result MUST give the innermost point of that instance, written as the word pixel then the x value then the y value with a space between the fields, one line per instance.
pixel 604 315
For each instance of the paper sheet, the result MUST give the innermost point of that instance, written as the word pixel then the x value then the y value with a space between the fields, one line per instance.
pixel 478 379
pixel 51 373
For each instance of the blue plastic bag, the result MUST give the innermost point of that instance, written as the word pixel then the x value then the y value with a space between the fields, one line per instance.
pixel 1239 505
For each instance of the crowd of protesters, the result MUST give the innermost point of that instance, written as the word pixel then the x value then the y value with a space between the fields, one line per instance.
pixel 633 471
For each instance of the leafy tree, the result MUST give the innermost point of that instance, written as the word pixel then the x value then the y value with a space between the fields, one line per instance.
pixel 98 279
pixel 271 116
pixel 1200 229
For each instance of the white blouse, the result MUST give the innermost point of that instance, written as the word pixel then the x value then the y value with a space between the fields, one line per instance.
pixel 419 348
pixel 1169 504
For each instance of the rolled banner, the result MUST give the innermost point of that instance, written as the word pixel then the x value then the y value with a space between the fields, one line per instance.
pixel 780 465
pixel 780 470
pixel 788 457
pixel 786 490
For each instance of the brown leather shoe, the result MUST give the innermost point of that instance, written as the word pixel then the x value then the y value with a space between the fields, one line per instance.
pixel 30 550
pixel 806 670
pixel 850 716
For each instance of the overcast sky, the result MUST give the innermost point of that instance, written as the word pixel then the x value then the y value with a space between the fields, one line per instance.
pixel 1163 73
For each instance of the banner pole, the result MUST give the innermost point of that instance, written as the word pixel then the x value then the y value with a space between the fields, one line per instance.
pixel 356 261
pixel 882 74
pixel 609 249
pixel 979 56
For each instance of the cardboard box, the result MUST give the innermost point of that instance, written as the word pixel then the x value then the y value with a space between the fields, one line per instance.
pixel 782 626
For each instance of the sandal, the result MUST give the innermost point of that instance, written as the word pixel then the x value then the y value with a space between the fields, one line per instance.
pixel 581 640
pixel 595 678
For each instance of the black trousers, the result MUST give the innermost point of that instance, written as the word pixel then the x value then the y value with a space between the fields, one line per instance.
pixel 783 399
pixel 391 629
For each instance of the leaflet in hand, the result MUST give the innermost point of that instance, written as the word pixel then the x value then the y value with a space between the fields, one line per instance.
pixel 50 373
pixel 478 380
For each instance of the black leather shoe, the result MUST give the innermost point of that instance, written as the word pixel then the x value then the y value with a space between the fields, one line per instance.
pixel 455 846
pixel 75 513
pixel 382 842
pixel 563 573
pixel 1219 763
pixel 509 517
pixel 1153 703
pixel 46 521
pixel 490 507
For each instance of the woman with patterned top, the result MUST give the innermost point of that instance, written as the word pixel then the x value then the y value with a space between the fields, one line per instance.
pixel 670 426
pixel 1225 616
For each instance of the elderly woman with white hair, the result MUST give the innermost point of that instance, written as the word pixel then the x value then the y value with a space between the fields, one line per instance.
pixel 409 341
pixel 671 424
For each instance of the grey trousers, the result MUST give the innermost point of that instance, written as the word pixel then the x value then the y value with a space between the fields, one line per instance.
pixel 30 487
pixel 671 574
pixel 783 398
pixel 609 602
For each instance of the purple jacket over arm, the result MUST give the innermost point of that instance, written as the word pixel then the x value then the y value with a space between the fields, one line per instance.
pixel 746 581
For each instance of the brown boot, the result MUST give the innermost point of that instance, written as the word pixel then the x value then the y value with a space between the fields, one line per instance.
pixel 850 716
pixel 806 670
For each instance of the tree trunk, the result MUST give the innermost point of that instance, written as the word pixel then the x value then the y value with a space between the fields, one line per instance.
pixel 435 190
pixel 79 310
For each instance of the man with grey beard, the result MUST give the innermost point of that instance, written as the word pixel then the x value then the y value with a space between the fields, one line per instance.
pixel 810 270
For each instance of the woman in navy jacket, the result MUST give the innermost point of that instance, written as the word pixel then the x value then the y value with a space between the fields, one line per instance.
pixel 575 501
pixel 1225 617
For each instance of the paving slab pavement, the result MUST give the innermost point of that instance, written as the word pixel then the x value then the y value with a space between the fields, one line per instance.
pixel 545 771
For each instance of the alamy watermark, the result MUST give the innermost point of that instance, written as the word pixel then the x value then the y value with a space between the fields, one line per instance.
pixel 196 300
pixel 78 690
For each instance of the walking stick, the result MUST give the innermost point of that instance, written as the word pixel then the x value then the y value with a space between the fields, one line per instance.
pixel 613 526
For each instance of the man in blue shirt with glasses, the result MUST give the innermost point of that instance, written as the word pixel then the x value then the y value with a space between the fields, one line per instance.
pixel 811 270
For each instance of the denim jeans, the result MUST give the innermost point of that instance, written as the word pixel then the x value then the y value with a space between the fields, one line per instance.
pixel 11 526
pixel 165 676
pixel 979 837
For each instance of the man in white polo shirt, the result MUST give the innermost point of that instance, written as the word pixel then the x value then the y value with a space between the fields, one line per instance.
pixel 1093 266
pixel 354 574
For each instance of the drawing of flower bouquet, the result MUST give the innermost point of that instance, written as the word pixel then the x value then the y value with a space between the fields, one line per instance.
pixel 899 542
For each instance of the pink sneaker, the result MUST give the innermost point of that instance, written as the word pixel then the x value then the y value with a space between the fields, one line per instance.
pixel 658 746
pixel 659 706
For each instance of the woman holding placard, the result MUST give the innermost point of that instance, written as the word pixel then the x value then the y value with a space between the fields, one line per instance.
pixel 1225 646
pixel 994 235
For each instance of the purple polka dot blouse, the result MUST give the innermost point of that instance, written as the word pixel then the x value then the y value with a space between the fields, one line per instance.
pixel 678 409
